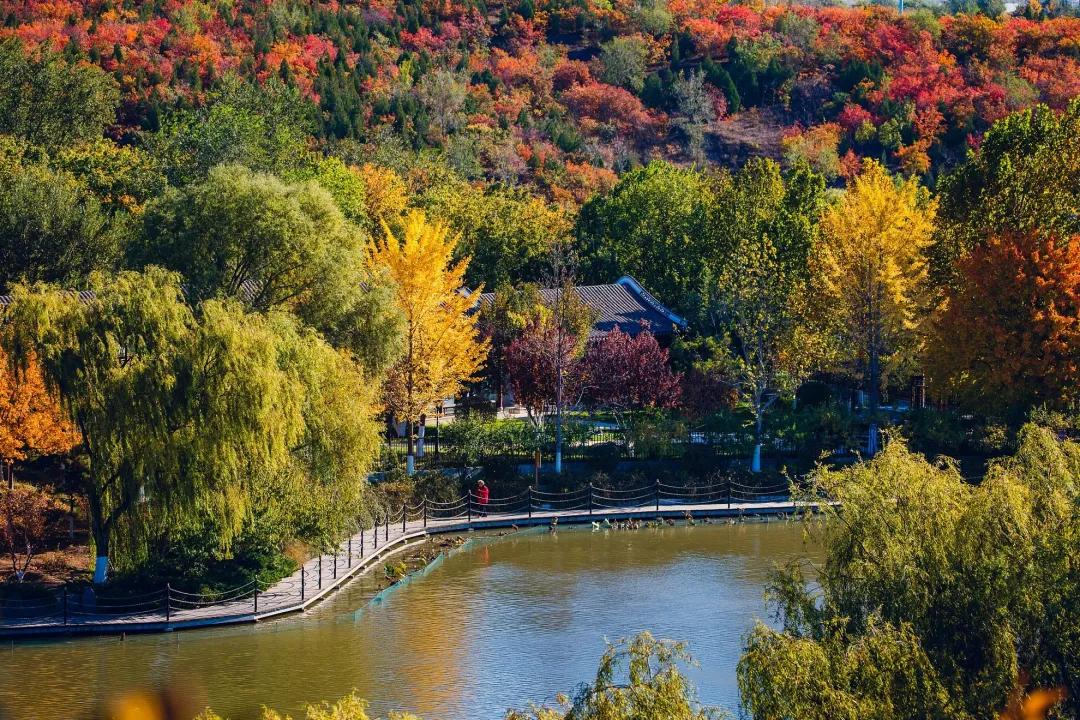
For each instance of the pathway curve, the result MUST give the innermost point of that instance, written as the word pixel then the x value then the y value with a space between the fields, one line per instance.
pixel 325 573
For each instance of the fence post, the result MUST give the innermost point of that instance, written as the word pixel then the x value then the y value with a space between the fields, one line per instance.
pixel 362 531
pixel 65 605
pixel 386 528
pixel 656 495
pixel 320 571
pixel 350 551
pixel 729 492
pixel 256 596
pixel 468 504
pixel 168 610
pixel 425 506
pixel 303 574
pixel 590 499
pixel 404 516
pixel 376 529
pixel 530 501
pixel 336 551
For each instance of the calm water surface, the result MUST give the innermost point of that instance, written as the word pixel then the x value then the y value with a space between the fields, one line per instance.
pixel 497 624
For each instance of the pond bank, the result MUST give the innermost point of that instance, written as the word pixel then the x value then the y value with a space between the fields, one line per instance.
pixel 496 623
pixel 324 574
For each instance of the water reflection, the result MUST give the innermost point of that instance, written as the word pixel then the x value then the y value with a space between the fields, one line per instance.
pixel 495 625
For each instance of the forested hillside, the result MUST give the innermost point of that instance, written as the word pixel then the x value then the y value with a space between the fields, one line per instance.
pixel 564 94
pixel 276 206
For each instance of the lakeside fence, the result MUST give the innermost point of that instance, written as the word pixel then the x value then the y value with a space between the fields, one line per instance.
pixel 101 609
pixel 442 448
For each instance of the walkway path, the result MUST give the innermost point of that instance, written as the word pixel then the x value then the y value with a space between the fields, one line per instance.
pixel 321 575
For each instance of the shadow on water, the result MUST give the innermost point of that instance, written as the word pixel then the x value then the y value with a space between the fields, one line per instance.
pixel 496 623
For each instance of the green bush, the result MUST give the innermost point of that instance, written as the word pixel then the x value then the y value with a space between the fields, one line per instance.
pixel 934 596
pixel 933 431
pixel 821 429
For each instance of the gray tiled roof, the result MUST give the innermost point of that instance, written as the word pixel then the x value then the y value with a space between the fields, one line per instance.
pixel 248 290
pixel 623 304
pixel 84 296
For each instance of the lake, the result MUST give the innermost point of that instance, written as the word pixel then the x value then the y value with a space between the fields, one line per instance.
pixel 497 623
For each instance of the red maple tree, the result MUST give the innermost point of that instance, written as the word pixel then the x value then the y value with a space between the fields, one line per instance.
pixel 631 372
pixel 532 363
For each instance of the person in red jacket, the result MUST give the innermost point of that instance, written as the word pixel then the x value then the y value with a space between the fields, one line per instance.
pixel 482 494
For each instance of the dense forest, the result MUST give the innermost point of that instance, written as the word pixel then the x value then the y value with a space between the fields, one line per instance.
pixel 279 216
pixel 284 211
pixel 563 95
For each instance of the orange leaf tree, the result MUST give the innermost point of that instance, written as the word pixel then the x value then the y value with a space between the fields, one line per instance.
pixel 1009 337
pixel 31 421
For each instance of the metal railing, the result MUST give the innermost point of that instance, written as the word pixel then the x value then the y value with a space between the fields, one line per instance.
pixel 169 605
pixel 602 444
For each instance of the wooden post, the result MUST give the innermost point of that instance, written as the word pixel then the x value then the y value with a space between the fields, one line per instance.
pixel 729 492
pixel 256 597
pixel 656 495
pixel 350 551
pixel 336 551
pixel 303 574
pixel 168 610
pixel 590 499
pixel 404 516
pixel 468 504
pixel 425 499
pixel 320 571
pixel 530 501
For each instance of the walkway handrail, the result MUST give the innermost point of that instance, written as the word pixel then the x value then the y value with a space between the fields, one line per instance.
pixel 167 606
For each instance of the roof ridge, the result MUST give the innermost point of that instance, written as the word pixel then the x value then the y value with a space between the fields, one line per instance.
pixel 629 282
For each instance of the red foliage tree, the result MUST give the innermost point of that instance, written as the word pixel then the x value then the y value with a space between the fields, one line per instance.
pixel 1009 338
pixel 628 373
pixel 532 363
pixel 23 525
pixel 596 103
pixel 569 73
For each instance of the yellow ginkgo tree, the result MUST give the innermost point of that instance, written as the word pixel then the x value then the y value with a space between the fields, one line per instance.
pixel 442 345
pixel 871 269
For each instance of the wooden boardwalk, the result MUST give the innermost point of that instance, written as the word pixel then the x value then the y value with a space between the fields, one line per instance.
pixel 324 574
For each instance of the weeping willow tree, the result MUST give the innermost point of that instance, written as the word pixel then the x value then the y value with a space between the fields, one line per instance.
pixel 193 416
pixel 320 492
pixel 937 598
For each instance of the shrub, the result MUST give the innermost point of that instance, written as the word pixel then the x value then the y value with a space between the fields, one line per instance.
pixel 934 431
pixel 934 592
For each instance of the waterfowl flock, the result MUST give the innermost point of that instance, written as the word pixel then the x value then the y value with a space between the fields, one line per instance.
pixel 688 519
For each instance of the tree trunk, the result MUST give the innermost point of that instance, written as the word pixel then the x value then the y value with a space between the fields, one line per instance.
pixel 558 422
pixel 101 549
pixel 755 464
pixel 500 393
pixel 873 401
pixel 410 460
pixel 10 469
pixel 420 430
pixel 99 532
